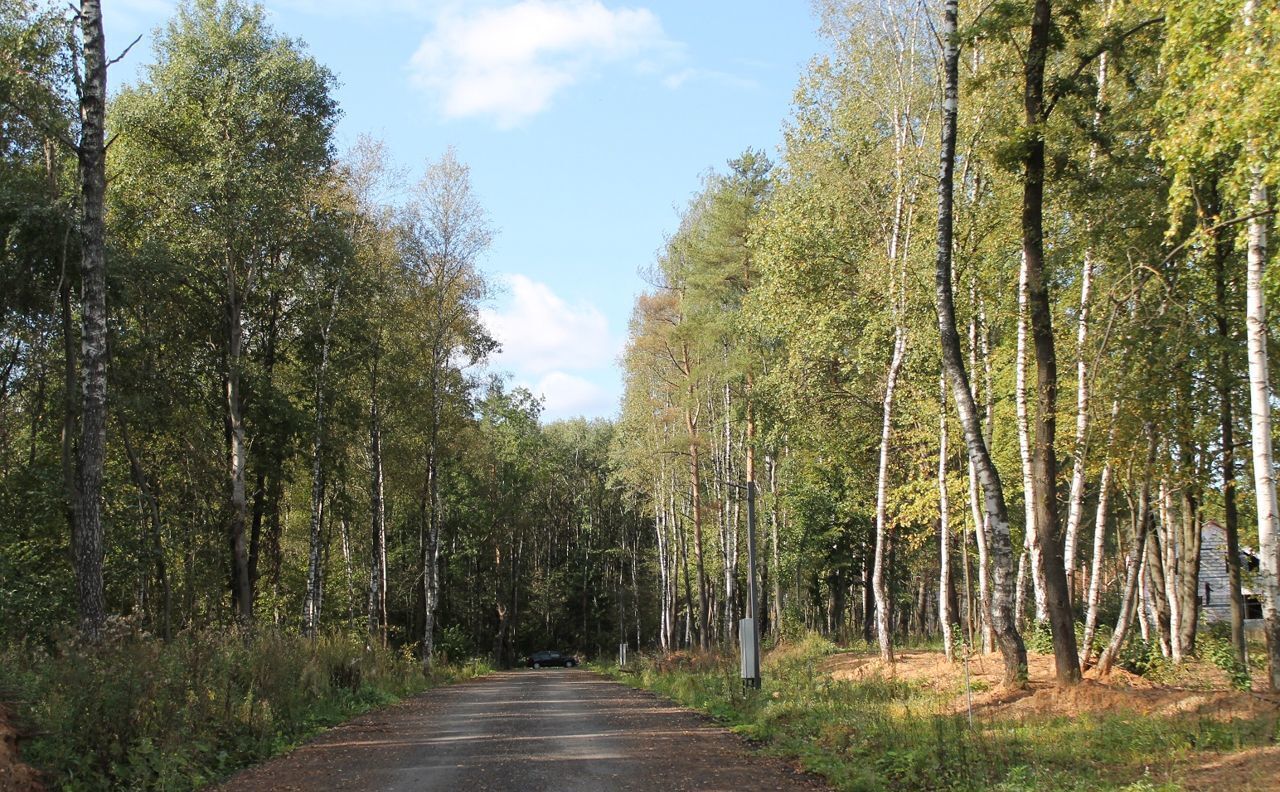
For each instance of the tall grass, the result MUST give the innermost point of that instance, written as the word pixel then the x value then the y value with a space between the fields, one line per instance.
pixel 881 733
pixel 139 713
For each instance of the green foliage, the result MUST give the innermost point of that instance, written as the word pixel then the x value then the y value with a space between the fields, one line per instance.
pixel 139 713
pixel 1214 644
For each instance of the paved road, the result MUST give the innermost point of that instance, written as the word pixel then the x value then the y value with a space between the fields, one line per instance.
pixel 551 729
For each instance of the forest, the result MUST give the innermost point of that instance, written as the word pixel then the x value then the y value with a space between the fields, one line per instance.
pixel 987 334
pixel 1092 257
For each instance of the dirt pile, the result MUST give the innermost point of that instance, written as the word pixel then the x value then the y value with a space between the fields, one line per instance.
pixel 14 775
pixel 1121 691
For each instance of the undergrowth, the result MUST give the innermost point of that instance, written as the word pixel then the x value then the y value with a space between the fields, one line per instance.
pixel 137 713
pixel 882 733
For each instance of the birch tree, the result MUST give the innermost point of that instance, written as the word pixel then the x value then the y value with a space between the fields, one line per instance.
pixel 444 231
pixel 87 538
pixel 996 513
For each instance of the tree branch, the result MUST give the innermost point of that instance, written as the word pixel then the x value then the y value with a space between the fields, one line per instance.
pixel 1212 228
pixel 1108 43
pixel 122 55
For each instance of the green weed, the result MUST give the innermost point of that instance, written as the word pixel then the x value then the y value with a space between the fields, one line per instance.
pixel 139 713
pixel 882 733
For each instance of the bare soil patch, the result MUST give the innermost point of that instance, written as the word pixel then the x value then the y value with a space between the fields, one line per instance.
pixel 1210 696
pixel 15 776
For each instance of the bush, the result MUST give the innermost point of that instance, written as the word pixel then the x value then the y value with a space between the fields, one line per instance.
pixel 134 712
pixel 1215 645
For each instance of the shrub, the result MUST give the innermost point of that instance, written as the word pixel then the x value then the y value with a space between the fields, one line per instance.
pixel 138 713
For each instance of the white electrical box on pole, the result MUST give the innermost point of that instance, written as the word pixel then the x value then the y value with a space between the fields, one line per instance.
pixel 749 628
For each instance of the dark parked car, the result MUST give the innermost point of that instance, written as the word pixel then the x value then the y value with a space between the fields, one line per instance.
pixel 544 659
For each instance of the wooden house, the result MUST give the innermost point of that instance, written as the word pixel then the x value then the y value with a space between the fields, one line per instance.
pixel 1214 595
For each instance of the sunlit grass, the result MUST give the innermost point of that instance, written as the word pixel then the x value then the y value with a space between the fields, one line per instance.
pixel 880 733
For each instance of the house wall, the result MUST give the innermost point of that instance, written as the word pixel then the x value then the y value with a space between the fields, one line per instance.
pixel 1214 592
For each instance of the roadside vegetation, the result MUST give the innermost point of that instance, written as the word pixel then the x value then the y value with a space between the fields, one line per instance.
pixel 134 712
pixel 862 725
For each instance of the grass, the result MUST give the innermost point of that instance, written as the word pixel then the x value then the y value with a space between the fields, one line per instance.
pixel 880 733
pixel 139 713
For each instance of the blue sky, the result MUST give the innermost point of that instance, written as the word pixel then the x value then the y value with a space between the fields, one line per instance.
pixel 587 125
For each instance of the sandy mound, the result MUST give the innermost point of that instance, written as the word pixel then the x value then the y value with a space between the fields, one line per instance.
pixel 14 775
pixel 1119 692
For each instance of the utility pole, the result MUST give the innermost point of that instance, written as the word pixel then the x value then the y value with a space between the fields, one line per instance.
pixel 749 628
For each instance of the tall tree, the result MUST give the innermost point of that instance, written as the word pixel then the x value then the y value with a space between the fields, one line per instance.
pixel 444 231
pixel 1260 382
pixel 238 154
pixel 997 516
pixel 91 150
pixel 1044 460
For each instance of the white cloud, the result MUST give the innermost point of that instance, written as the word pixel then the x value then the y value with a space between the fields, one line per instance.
pixel 567 395
pixel 509 62
pixel 561 352
pixel 541 333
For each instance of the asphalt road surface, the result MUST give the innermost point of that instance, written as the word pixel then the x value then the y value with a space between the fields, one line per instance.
pixel 549 729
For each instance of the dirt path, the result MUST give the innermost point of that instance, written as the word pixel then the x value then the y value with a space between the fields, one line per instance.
pixel 561 730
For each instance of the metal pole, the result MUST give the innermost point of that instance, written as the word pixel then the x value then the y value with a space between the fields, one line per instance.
pixel 751 580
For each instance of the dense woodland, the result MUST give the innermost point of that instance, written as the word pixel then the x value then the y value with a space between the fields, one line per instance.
pixel 300 430
pixel 243 382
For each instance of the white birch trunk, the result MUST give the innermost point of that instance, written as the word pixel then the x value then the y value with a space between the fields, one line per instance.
pixel 1075 502
pixel 1146 614
pixel 1169 562
pixel 883 632
pixel 980 532
pixel 1031 537
pixel 1267 580
pixel 1094 597
pixel 944 525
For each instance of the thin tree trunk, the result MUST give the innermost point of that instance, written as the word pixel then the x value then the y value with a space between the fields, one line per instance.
pixel 1189 569
pixel 147 491
pixel 1031 534
pixel 1011 646
pixel 273 462
pixel 70 411
pixel 944 526
pixel 1134 567
pixel 695 506
pixel 1169 558
pixel 431 539
pixel 1268 577
pixel 883 634
pixel 775 571
pixel 315 571
pixel 378 519
pixel 1094 598
pixel 241 592
pixel 1145 607
pixel 979 522
pixel 1226 422
pixel 1156 590
pixel 1079 449
pixel 1020 586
